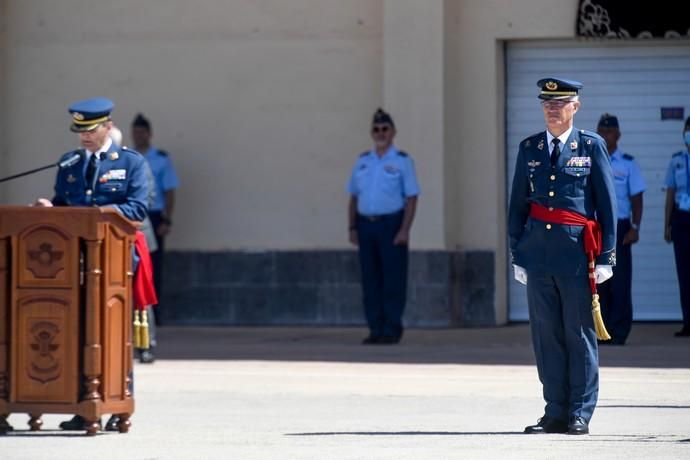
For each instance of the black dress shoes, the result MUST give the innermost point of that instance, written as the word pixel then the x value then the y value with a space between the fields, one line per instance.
pixel 578 425
pixel 371 340
pixel 76 423
pixel 685 332
pixel 5 426
pixel 547 425
pixel 111 424
pixel 147 356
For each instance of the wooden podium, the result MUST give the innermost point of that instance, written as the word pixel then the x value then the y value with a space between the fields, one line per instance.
pixel 65 314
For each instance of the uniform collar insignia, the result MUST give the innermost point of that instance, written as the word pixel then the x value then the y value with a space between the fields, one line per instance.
pixel 540 146
pixel 114 156
pixel 71 179
pixel 573 144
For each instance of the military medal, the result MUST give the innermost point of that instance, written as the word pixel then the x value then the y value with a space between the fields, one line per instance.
pixel 114 156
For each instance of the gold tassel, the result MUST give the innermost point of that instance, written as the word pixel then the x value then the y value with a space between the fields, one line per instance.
pixel 137 330
pixel 145 341
pixel 599 328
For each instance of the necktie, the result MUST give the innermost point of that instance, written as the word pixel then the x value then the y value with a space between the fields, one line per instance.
pixel 91 171
pixel 556 151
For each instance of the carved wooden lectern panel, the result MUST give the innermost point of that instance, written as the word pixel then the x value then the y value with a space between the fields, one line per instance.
pixel 47 257
pixel 47 353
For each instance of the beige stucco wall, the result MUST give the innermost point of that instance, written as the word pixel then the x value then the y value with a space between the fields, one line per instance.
pixel 264 104
pixel 413 91
pixel 3 111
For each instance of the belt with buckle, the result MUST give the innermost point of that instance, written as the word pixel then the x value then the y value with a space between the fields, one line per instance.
pixel 379 217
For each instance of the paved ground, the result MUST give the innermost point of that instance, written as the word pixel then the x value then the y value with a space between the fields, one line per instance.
pixel 315 393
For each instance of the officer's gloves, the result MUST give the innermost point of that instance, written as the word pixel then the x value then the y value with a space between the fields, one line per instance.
pixel 520 274
pixel 603 272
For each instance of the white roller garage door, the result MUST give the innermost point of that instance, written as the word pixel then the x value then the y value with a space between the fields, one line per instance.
pixel 633 81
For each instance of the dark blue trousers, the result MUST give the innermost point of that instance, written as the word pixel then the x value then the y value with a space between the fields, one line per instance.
pixel 680 232
pixel 384 273
pixel 615 294
pixel 565 344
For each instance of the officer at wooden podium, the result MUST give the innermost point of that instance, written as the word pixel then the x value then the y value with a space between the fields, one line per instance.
pixel 101 174
pixel 562 228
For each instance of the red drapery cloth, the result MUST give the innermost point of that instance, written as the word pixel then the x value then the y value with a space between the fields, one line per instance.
pixel 144 289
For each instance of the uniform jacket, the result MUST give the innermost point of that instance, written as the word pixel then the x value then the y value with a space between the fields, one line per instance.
pixel 581 181
pixel 121 182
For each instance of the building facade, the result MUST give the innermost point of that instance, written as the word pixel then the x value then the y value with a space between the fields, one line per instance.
pixel 264 105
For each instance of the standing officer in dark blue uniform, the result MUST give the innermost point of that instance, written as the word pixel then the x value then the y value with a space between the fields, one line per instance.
pixel 383 198
pixel 677 222
pixel 105 174
pixel 563 181
pixel 101 174
pixel 615 294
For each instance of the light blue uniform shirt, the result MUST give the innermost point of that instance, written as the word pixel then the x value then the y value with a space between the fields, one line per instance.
pixel 628 181
pixel 164 174
pixel 382 185
pixel 678 177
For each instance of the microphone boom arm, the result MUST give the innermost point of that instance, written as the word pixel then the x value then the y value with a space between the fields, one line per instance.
pixel 26 173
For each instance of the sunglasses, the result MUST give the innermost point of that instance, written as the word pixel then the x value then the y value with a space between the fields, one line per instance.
pixel 380 129
pixel 555 104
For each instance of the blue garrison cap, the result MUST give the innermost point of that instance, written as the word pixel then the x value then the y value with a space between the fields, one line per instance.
pixel 608 121
pixel 556 88
pixel 89 113
pixel 381 118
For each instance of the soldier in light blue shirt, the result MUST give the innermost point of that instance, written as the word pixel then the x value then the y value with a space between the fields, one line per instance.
pixel 161 211
pixel 615 294
pixel 383 192
pixel 677 222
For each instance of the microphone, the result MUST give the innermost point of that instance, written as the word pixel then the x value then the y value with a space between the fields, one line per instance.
pixel 71 161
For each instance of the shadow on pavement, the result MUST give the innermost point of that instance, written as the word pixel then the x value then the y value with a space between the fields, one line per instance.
pixel 649 345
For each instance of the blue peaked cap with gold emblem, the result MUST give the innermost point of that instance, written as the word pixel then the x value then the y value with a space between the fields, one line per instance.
pixel 556 88
pixel 89 113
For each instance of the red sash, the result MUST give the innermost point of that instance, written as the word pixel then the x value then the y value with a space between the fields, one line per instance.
pixel 591 233
pixel 143 290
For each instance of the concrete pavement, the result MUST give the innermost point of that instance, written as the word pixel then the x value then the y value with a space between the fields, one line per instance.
pixel 316 393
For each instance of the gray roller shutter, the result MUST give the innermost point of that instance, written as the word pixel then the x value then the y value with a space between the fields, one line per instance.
pixel 632 80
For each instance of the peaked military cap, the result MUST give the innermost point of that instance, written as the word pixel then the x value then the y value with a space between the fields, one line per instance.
pixel 555 88
pixel 608 121
pixel 381 117
pixel 141 121
pixel 89 113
